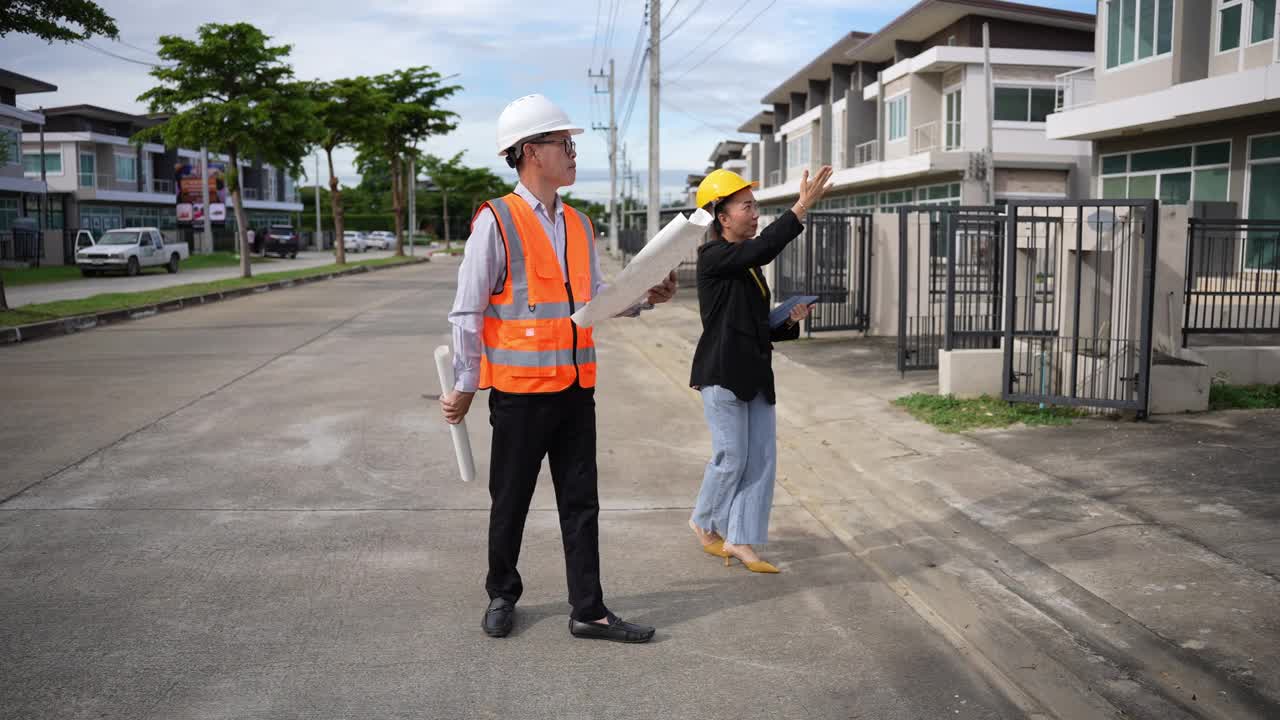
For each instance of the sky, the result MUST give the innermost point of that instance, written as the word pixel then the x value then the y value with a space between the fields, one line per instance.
pixel 718 60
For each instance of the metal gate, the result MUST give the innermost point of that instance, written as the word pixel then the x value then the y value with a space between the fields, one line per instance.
pixel 831 260
pixel 1079 293
pixel 950 281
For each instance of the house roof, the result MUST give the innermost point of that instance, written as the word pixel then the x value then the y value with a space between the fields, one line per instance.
pixel 95 112
pixel 818 69
pixel 930 16
pixel 764 117
pixel 21 84
pixel 726 149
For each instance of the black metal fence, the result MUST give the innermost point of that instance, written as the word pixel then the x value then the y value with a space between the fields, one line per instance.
pixel 950 285
pixel 633 236
pixel 1079 293
pixel 1232 277
pixel 21 245
pixel 831 260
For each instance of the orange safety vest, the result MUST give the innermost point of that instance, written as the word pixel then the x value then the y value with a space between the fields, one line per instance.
pixel 530 344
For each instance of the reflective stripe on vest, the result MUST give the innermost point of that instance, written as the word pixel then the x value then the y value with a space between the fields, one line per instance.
pixel 530 344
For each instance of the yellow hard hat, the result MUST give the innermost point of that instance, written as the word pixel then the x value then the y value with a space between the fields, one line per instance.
pixel 720 184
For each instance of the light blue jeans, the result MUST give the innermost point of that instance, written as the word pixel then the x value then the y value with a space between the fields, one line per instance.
pixel 737 487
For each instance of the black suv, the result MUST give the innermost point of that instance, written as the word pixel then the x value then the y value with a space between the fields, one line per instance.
pixel 283 241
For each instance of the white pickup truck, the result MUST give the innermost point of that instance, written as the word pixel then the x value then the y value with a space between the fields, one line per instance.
pixel 130 250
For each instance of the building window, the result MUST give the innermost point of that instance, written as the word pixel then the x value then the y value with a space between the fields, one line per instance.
pixel 1175 175
pixel 944 194
pixel 126 168
pixel 837 139
pixel 865 202
pixel 1263 202
pixel 1138 29
pixel 1230 14
pixel 99 219
pixel 952 103
pixel 8 212
pixel 1024 104
pixel 1264 21
pixel 10 146
pixel 897 118
pixel 799 151
pixel 88 162
pixel 52 163
pixel 895 198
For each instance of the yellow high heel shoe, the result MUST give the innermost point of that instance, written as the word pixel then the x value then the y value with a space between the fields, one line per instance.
pixel 755 566
pixel 716 548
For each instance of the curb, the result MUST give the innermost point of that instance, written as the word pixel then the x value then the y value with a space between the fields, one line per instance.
pixel 80 323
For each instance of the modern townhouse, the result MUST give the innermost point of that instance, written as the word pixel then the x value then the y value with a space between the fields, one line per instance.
pixel 20 194
pixel 901 114
pixel 1182 103
pixel 100 177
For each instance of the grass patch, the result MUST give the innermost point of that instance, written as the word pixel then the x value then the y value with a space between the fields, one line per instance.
pixel 16 277
pixel 1243 397
pixel 120 301
pixel 951 414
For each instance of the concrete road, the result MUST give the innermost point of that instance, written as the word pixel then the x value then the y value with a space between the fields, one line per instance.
pixel 154 279
pixel 250 510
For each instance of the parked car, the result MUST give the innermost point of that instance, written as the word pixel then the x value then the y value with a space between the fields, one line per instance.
pixel 382 239
pixel 131 250
pixel 283 241
pixel 354 241
pixel 84 240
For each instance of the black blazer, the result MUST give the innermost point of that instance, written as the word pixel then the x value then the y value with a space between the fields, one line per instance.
pixel 736 347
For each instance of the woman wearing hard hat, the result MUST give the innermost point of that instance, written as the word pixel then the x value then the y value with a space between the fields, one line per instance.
pixel 732 365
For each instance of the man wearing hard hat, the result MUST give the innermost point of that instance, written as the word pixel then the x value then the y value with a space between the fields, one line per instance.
pixel 530 262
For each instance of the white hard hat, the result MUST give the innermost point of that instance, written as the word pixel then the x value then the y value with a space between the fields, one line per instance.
pixel 528 116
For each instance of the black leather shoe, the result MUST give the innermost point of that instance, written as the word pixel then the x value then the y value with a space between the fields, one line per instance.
pixel 498 618
pixel 618 630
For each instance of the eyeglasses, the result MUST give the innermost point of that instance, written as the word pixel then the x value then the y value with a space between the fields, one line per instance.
pixel 570 147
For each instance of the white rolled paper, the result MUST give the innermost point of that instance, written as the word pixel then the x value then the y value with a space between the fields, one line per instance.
pixel 647 269
pixel 461 441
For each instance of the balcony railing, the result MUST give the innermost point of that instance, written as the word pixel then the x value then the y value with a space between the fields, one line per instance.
pixel 161 185
pixel 924 137
pixel 775 177
pixel 867 152
pixel 1075 89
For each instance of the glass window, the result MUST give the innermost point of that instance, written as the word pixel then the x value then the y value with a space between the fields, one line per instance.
pixel 31 163
pixel 898 118
pixel 865 200
pixel 1113 164
pixel 11 140
pixel 1175 188
pixel 1164 34
pixel 953 138
pixel 87 162
pixel 1142 187
pixel 1211 184
pixel 1012 104
pixel 1042 101
pixel 1113 33
pixel 1264 204
pixel 1128 24
pixel 1229 25
pixel 1115 188
pixel 1264 20
pixel 126 168
pixel 1161 159
pixel 1213 154
pixel 1262 148
pixel 1146 28
pixel 8 212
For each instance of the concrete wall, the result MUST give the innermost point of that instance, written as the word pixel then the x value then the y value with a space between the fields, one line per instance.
pixel 884 275
pixel 1191 40
pixel 925 105
pixel 970 373
pixel 1036 182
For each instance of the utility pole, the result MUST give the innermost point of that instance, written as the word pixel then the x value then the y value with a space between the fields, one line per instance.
pixel 204 198
pixel 612 129
pixel 319 233
pixel 655 86
pixel 413 201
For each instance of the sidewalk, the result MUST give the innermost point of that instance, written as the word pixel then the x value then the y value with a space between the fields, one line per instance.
pixel 153 280
pixel 1078 604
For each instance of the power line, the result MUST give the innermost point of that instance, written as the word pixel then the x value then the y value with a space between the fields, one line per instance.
pixel 700 121
pixel 670 10
pixel 679 25
pixel 114 55
pixel 595 39
pixel 135 47
pixel 631 87
pixel 728 40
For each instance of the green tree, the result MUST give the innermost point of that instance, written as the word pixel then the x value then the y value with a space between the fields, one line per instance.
pixel 231 91
pixel 346 110
pixel 51 20
pixel 412 114
pixel 459 189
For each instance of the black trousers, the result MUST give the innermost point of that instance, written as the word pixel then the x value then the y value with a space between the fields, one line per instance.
pixel 526 428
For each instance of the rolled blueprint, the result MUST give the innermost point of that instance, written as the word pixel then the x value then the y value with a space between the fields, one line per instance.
pixel 461 441
pixel 648 268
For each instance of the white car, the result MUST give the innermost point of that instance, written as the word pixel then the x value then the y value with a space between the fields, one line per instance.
pixel 382 239
pixel 131 250
pixel 354 241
